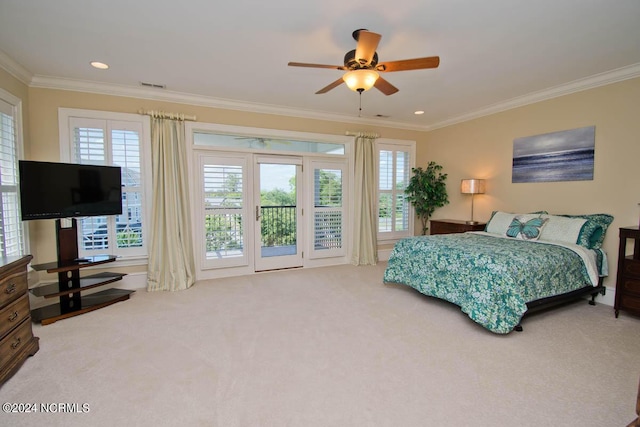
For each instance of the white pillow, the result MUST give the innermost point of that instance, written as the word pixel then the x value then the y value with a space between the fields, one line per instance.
pixel 499 223
pixel 561 229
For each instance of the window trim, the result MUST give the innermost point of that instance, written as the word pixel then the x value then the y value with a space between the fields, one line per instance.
pixel 386 237
pixel 65 119
pixel 16 105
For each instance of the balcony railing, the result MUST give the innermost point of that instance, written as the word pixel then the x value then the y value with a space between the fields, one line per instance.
pixel 278 225
pixel 278 232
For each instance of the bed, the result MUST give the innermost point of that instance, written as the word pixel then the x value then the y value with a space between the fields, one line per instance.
pixel 522 263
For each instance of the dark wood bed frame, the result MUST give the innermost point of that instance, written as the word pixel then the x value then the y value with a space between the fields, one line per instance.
pixel 549 302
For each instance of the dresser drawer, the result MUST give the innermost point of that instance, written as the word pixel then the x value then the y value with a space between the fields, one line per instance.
pixel 13 287
pixel 629 302
pixel 448 226
pixel 13 314
pixel 13 344
pixel 445 228
pixel 632 267
pixel 631 286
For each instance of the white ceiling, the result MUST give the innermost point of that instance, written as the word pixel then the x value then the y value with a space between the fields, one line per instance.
pixel 494 54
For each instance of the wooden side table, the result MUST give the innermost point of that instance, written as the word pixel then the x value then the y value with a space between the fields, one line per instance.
pixel 628 279
pixel 447 226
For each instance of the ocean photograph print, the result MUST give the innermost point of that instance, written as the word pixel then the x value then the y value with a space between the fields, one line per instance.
pixel 557 156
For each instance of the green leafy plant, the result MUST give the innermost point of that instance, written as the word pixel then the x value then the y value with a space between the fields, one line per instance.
pixel 427 191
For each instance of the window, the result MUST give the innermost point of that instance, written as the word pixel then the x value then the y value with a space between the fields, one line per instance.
pixel 260 142
pixel 12 241
pixel 223 200
pixel 395 214
pixel 116 140
pixel 328 213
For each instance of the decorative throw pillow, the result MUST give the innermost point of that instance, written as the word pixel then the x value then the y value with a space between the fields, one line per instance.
pixel 591 236
pixel 526 227
pixel 562 229
pixel 593 232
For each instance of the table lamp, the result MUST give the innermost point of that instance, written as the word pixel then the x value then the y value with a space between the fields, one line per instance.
pixel 473 187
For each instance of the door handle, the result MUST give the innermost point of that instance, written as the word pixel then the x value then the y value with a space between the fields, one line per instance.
pixel 257 213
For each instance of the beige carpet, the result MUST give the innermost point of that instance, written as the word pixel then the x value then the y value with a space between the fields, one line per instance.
pixel 326 347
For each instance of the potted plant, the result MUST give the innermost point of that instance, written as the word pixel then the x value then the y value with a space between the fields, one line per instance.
pixel 427 191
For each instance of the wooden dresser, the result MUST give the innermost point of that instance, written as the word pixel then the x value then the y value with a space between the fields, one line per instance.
pixel 628 280
pixel 16 336
pixel 446 226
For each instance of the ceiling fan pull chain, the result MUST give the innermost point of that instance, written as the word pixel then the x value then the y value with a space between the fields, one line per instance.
pixel 360 106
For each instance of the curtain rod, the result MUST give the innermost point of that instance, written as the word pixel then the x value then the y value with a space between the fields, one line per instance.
pixel 364 134
pixel 165 115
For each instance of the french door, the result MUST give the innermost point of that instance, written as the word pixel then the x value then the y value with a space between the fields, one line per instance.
pixel 278 212
pixel 261 212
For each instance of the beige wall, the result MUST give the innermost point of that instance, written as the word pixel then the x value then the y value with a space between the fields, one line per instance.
pixel 483 148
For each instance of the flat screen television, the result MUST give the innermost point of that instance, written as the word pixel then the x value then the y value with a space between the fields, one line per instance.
pixel 65 190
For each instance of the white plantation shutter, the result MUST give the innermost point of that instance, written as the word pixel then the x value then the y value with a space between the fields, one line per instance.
pixel 89 145
pixel 223 197
pixel 11 232
pixel 113 143
pixel 395 214
pixel 329 210
pixel 125 148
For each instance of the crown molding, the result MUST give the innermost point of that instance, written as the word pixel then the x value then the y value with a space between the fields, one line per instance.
pixel 603 79
pixel 15 69
pixel 48 82
pixel 591 82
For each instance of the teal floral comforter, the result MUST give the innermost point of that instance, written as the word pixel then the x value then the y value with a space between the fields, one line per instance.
pixel 489 277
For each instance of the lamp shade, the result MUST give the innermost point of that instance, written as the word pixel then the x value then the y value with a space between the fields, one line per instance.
pixel 472 186
pixel 360 79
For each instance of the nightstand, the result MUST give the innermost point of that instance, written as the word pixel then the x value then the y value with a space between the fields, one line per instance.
pixel 447 226
pixel 628 280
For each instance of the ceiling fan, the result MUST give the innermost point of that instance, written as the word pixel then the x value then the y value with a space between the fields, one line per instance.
pixel 362 66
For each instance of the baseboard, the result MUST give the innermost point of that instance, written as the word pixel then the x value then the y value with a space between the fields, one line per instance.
pixel 133 281
pixel 608 299
pixel 384 254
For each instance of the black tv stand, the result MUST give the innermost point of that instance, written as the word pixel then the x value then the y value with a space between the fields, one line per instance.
pixel 70 285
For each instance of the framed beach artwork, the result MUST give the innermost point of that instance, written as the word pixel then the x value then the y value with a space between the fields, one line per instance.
pixel 556 156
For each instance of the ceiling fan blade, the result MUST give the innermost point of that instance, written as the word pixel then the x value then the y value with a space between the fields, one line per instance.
pixel 385 87
pixel 367 45
pixel 331 86
pixel 409 64
pixel 304 64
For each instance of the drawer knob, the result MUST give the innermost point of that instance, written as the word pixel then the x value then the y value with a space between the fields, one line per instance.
pixel 11 288
pixel 15 344
pixel 13 316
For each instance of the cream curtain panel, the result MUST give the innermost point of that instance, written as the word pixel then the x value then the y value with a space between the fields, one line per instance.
pixel 171 260
pixel 365 243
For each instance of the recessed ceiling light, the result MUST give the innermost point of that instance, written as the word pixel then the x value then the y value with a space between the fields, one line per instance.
pixel 99 65
pixel 417 113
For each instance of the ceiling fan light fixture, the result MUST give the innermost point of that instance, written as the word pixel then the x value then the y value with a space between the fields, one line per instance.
pixel 360 80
